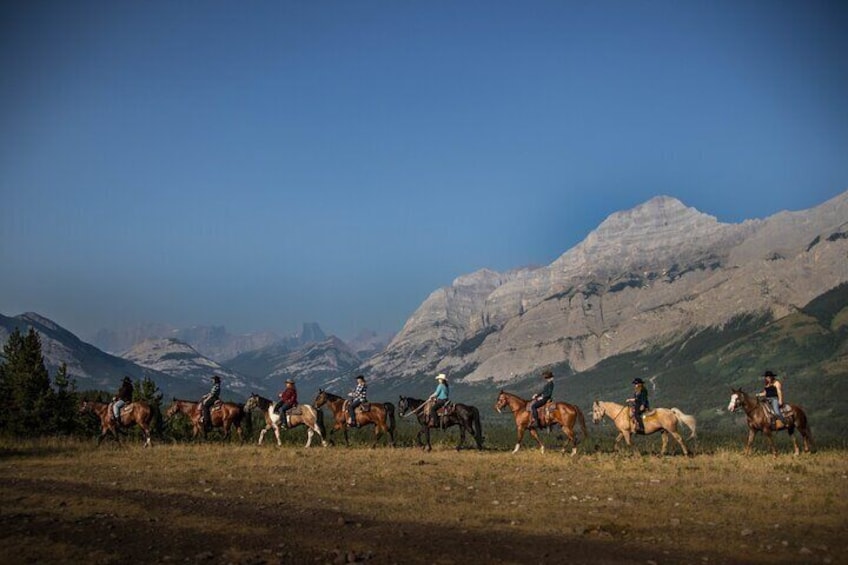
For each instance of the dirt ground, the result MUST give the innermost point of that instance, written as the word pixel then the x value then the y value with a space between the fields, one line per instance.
pixel 230 504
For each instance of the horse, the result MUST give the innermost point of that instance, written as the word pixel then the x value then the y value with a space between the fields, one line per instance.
pixel 562 413
pixel 465 416
pixel 760 421
pixel 135 413
pixel 663 420
pixel 222 415
pixel 381 415
pixel 300 415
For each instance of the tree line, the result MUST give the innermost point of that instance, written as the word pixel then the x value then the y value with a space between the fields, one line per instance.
pixel 38 405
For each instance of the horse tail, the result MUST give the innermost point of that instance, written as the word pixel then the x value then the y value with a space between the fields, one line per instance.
pixel 390 416
pixel 688 420
pixel 582 420
pixel 478 429
pixel 248 421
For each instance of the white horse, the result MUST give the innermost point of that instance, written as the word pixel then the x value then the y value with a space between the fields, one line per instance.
pixel 302 414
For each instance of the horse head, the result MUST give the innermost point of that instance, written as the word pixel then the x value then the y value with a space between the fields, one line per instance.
pixel 321 399
pixel 172 409
pixel 502 401
pixel 736 399
pixel 597 412
pixel 85 407
pixel 403 405
pixel 252 401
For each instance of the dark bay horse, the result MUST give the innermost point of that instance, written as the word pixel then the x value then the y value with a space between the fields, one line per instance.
pixel 663 420
pixel 381 415
pixel 135 413
pixel 300 415
pixel 224 415
pixel 465 416
pixel 562 413
pixel 760 421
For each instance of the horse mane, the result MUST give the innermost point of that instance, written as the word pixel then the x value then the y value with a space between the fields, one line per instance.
pixel 330 396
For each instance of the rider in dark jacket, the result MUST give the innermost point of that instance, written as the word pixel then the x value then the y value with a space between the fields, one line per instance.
pixel 125 394
pixel 542 397
pixel 638 403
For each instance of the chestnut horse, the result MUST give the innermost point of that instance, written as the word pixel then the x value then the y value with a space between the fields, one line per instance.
pixel 465 416
pixel 760 421
pixel 552 413
pixel 663 420
pixel 222 415
pixel 300 415
pixel 135 413
pixel 381 415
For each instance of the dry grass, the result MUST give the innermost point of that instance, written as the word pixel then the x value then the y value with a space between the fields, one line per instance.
pixel 67 501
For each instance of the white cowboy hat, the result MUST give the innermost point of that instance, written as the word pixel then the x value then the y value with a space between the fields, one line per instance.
pixel 441 376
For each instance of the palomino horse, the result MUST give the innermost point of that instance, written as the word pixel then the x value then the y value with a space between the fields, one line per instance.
pixel 759 421
pixel 382 415
pixel 224 415
pixel 135 413
pixel 300 415
pixel 464 416
pixel 663 420
pixel 552 413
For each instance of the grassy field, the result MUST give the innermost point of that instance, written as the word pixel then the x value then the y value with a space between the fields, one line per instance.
pixel 67 501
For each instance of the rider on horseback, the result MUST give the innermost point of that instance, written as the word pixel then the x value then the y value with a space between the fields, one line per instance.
pixel 773 393
pixel 439 398
pixel 208 400
pixel 638 404
pixel 358 396
pixel 541 398
pixel 125 394
pixel 288 400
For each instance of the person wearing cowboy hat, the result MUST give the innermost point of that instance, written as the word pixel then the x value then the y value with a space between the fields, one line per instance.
pixel 358 396
pixel 541 398
pixel 207 400
pixel 288 400
pixel 439 398
pixel 773 393
pixel 638 404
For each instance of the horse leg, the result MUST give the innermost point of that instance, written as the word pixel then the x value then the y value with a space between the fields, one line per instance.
pixel 426 430
pixel 277 434
pixel 569 433
pixel 309 434
pixel 664 447
pixel 378 433
pixel 679 440
pixel 751 434
pixel 461 442
pixel 795 445
pixel 520 437
pixel 535 435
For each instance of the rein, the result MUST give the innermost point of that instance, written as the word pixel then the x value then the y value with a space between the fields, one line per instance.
pixel 413 412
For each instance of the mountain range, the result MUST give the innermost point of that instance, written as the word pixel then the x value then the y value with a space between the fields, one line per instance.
pixel 661 290
pixel 642 279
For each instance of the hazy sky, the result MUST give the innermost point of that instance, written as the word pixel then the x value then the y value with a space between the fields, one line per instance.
pixel 261 164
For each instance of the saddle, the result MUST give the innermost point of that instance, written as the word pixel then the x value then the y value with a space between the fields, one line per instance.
pixel 786 411
pixel 124 409
pixel 446 410
pixel 217 405
pixel 296 411
pixel 546 411
pixel 364 407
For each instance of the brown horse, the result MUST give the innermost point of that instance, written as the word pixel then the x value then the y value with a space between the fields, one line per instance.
pixel 663 420
pixel 224 415
pixel 135 413
pixel 381 415
pixel 552 413
pixel 760 421
pixel 300 415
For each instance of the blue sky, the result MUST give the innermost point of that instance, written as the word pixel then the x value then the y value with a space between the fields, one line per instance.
pixel 261 164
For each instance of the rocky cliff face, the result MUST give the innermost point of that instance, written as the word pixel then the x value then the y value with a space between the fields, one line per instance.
pixel 178 359
pixel 644 277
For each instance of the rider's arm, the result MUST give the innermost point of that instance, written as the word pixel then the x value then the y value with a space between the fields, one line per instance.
pixel 779 388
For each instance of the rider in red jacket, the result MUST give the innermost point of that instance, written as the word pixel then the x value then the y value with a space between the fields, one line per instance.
pixel 288 400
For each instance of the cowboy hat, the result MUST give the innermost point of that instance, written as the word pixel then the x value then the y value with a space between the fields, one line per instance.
pixel 769 374
pixel 547 375
pixel 441 377
pixel 289 382
pixel 638 381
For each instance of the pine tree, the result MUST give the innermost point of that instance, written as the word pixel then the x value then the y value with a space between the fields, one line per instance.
pixel 65 410
pixel 26 385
